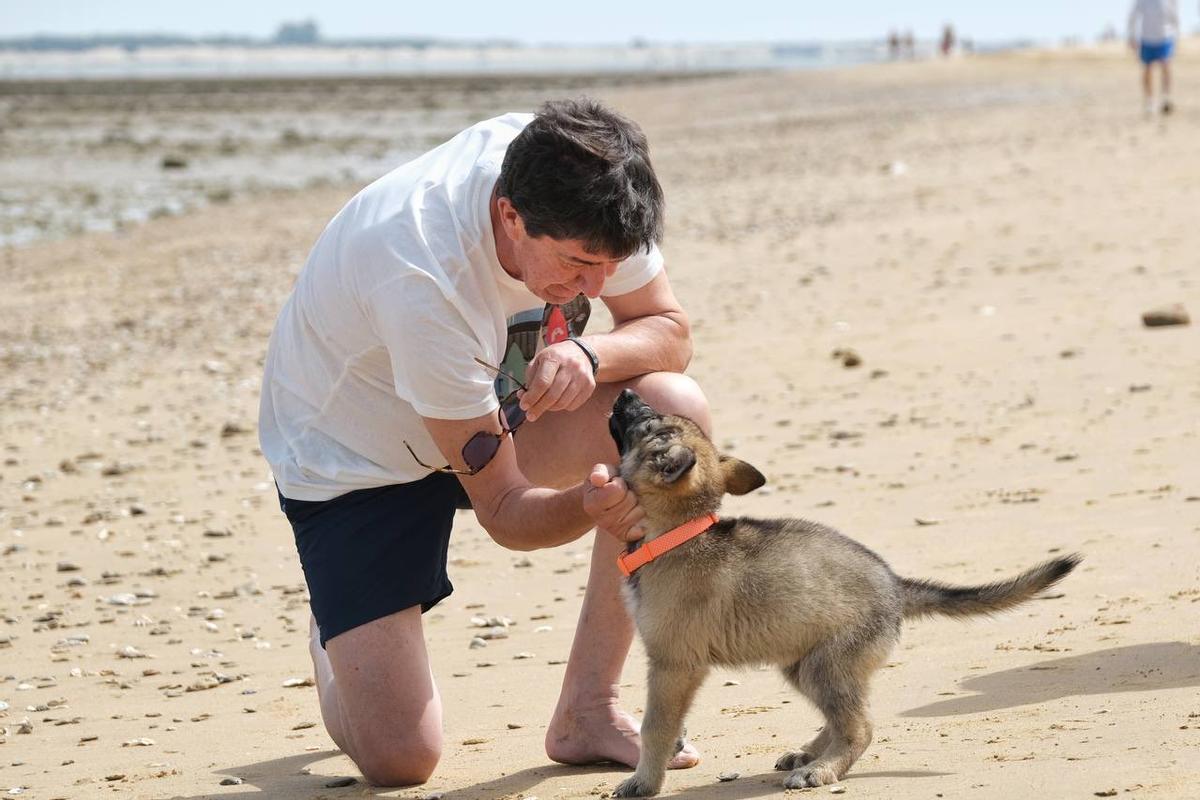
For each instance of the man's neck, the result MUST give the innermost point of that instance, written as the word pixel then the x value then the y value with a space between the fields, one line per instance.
pixel 504 249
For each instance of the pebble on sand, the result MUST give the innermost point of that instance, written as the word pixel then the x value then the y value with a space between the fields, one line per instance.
pixel 1174 314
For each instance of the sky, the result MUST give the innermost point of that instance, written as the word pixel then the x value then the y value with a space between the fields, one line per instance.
pixel 611 21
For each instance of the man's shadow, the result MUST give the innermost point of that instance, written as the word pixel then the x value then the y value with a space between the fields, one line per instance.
pixel 1136 668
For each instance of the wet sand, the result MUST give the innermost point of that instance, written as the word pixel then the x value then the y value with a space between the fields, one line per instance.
pixel 985 235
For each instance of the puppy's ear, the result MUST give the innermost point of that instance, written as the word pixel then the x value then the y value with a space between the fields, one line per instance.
pixel 740 477
pixel 675 463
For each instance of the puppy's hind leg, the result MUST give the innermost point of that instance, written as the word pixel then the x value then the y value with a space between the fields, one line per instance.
pixel 670 692
pixel 836 681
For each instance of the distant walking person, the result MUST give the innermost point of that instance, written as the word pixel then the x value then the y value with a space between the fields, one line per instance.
pixel 947 45
pixel 1153 26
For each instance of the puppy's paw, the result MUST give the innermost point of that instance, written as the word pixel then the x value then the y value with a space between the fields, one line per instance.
pixel 790 761
pixel 637 787
pixel 815 775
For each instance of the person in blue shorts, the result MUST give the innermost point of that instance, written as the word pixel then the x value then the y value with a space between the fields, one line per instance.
pixel 1153 27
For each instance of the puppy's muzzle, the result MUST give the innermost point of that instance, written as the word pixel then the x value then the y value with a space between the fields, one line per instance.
pixel 628 410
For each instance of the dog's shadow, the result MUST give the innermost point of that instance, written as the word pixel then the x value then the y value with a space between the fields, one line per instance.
pixel 745 786
pixel 1136 668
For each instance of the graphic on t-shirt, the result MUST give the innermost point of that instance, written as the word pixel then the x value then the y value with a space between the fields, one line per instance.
pixel 531 330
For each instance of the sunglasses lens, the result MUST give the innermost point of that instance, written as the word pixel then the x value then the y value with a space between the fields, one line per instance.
pixel 480 450
pixel 514 415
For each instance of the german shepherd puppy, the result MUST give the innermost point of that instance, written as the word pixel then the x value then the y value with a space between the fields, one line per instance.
pixel 822 607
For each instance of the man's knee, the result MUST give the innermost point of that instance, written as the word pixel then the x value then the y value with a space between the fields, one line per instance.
pixel 399 762
pixel 672 393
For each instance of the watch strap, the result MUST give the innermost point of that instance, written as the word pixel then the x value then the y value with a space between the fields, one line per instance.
pixel 587 351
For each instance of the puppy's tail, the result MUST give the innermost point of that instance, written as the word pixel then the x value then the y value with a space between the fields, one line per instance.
pixel 927 598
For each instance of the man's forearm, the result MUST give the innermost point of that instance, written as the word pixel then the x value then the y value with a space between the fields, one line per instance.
pixel 657 343
pixel 532 517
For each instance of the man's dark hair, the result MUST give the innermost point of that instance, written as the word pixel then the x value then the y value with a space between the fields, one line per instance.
pixel 580 171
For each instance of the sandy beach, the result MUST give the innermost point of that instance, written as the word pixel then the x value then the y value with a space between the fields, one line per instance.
pixel 984 234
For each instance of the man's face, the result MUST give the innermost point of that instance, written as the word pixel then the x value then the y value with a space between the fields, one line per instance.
pixel 555 270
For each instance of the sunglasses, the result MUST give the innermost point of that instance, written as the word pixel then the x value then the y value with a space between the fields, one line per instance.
pixel 481 448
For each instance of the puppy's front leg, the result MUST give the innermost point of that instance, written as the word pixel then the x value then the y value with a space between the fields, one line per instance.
pixel 670 691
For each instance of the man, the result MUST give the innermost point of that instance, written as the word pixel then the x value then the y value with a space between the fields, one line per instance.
pixel 382 367
pixel 1153 26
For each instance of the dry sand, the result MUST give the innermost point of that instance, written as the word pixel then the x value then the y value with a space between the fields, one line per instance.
pixel 985 234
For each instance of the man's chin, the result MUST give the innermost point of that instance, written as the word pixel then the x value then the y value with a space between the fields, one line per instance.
pixel 556 296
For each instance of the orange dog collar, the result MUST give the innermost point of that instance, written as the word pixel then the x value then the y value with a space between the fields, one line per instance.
pixel 630 563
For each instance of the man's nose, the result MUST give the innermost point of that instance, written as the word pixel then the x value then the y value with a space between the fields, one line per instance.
pixel 591 281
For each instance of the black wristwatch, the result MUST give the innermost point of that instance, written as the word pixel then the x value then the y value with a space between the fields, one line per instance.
pixel 587 351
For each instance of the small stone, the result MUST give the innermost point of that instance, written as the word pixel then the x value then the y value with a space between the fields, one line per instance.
pixel 732 683
pixel 927 520
pixel 1106 793
pixel 848 357
pixel 294 682
pixel 512 726
pixel 141 741
pixel 232 781
pixel 304 726
pixel 1174 314
pixel 726 777
pixel 233 429
pixel 119 776
pixel 477 642
pixel 837 788
pixel 67 566
pixel 338 783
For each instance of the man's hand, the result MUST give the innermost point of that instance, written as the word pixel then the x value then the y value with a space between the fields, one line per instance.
pixel 610 503
pixel 559 379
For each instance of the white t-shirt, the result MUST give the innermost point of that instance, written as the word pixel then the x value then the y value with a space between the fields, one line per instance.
pixel 400 293
pixel 1154 21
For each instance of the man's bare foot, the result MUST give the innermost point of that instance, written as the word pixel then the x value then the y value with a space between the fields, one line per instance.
pixel 602 733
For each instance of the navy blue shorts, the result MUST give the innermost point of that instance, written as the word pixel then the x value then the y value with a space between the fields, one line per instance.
pixel 373 552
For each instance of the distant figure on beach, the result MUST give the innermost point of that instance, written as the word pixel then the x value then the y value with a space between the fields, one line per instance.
pixel 908 44
pixel 947 43
pixel 1153 26
pixel 893 44
pixel 453 278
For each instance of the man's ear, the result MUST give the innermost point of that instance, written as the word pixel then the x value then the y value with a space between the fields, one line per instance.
pixel 675 463
pixel 514 226
pixel 740 477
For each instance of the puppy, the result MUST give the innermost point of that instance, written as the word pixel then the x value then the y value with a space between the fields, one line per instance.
pixel 788 592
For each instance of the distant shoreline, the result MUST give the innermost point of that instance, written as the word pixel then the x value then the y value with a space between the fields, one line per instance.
pixel 221 61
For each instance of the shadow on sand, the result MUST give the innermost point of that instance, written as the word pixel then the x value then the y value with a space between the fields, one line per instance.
pixel 281 779
pixel 1137 668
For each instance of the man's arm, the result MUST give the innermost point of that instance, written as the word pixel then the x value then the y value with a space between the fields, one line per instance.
pixel 651 333
pixel 520 516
